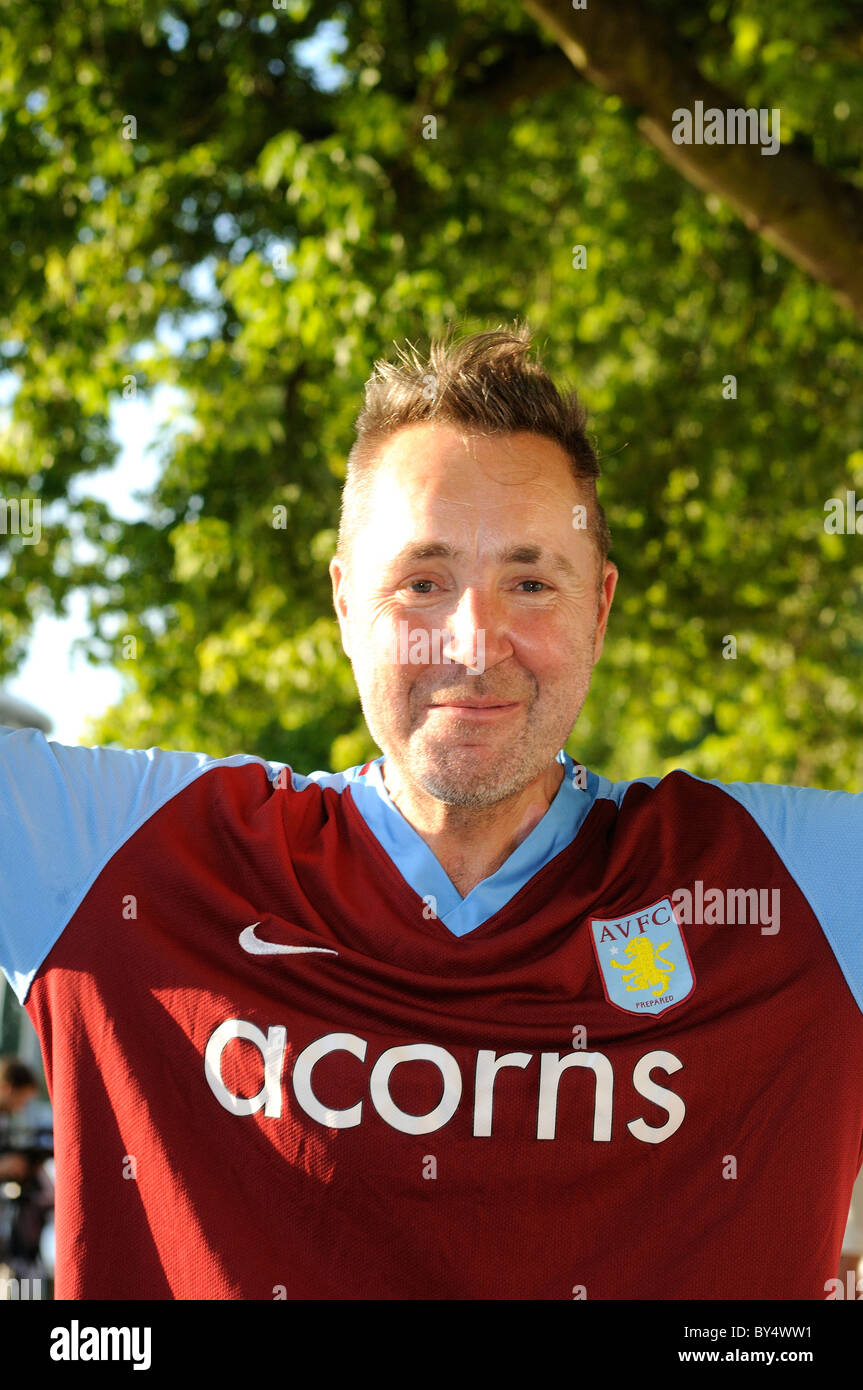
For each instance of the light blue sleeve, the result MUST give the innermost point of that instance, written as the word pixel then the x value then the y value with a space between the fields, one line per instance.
pixel 818 835
pixel 64 811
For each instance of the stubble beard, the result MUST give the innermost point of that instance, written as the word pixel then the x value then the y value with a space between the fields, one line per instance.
pixel 464 776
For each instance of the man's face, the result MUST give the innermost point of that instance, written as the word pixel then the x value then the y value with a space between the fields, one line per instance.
pixel 468 550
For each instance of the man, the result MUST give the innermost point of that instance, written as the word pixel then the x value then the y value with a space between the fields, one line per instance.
pixel 464 1022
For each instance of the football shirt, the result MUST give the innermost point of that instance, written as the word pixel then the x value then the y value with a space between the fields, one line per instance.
pixel 288 1060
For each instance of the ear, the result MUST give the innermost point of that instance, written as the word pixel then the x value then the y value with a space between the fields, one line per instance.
pixel 610 577
pixel 338 576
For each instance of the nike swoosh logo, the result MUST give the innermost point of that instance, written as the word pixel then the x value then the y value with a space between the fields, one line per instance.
pixel 256 947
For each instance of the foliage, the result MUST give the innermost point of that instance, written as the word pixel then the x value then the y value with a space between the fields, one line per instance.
pixel 311 225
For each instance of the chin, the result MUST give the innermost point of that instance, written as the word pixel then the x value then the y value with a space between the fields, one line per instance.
pixel 471 776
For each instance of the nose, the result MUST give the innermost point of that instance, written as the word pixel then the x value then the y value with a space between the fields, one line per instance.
pixel 478 637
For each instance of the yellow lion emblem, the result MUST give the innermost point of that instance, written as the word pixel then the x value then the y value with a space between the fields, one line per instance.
pixel 645 967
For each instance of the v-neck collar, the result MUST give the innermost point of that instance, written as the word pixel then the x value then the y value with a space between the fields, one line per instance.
pixel 420 868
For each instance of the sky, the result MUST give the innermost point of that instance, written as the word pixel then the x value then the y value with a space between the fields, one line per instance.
pixel 54 677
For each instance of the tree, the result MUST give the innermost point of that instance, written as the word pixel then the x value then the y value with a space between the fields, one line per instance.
pixel 164 163
pixel 813 216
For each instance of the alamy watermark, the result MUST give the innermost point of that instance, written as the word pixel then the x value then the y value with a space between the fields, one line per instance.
pixel 14 1289
pixel 21 516
pixel 77 1343
pixel 424 646
pixel 736 126
pixel 844 515
pixel 727 906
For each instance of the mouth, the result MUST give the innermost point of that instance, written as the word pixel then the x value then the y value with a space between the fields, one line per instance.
pixel 475 709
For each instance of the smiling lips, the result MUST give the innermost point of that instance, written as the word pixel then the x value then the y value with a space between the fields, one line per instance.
pixel 476 709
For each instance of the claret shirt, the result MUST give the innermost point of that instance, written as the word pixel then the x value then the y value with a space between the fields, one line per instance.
pixel 288 1060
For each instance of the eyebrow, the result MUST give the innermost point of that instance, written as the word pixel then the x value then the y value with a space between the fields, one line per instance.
pixel 524 554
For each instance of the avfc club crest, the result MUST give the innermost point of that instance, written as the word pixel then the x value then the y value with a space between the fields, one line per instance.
pixel 643 960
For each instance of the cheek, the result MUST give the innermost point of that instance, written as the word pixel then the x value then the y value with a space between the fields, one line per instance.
pixel 378 666
pixel 546 641
pixel 371 638
pixel 553 651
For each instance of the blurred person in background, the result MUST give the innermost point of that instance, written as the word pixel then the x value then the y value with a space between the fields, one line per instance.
pixel 18 1087
pixel 26 1190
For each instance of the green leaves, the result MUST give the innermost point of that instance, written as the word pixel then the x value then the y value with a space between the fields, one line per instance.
pixel 263 239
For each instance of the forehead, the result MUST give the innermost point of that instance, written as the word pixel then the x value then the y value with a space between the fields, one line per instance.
pixel 442 475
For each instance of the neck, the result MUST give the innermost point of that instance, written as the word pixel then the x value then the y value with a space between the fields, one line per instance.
pixel 471 842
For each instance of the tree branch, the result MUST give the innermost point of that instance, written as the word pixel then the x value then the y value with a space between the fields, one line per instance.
pixel 805 211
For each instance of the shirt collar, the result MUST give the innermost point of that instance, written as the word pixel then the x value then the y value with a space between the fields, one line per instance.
pixel 421 870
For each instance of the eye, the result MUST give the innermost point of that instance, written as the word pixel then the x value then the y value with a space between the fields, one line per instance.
pixel 413 584
pixel 538 582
